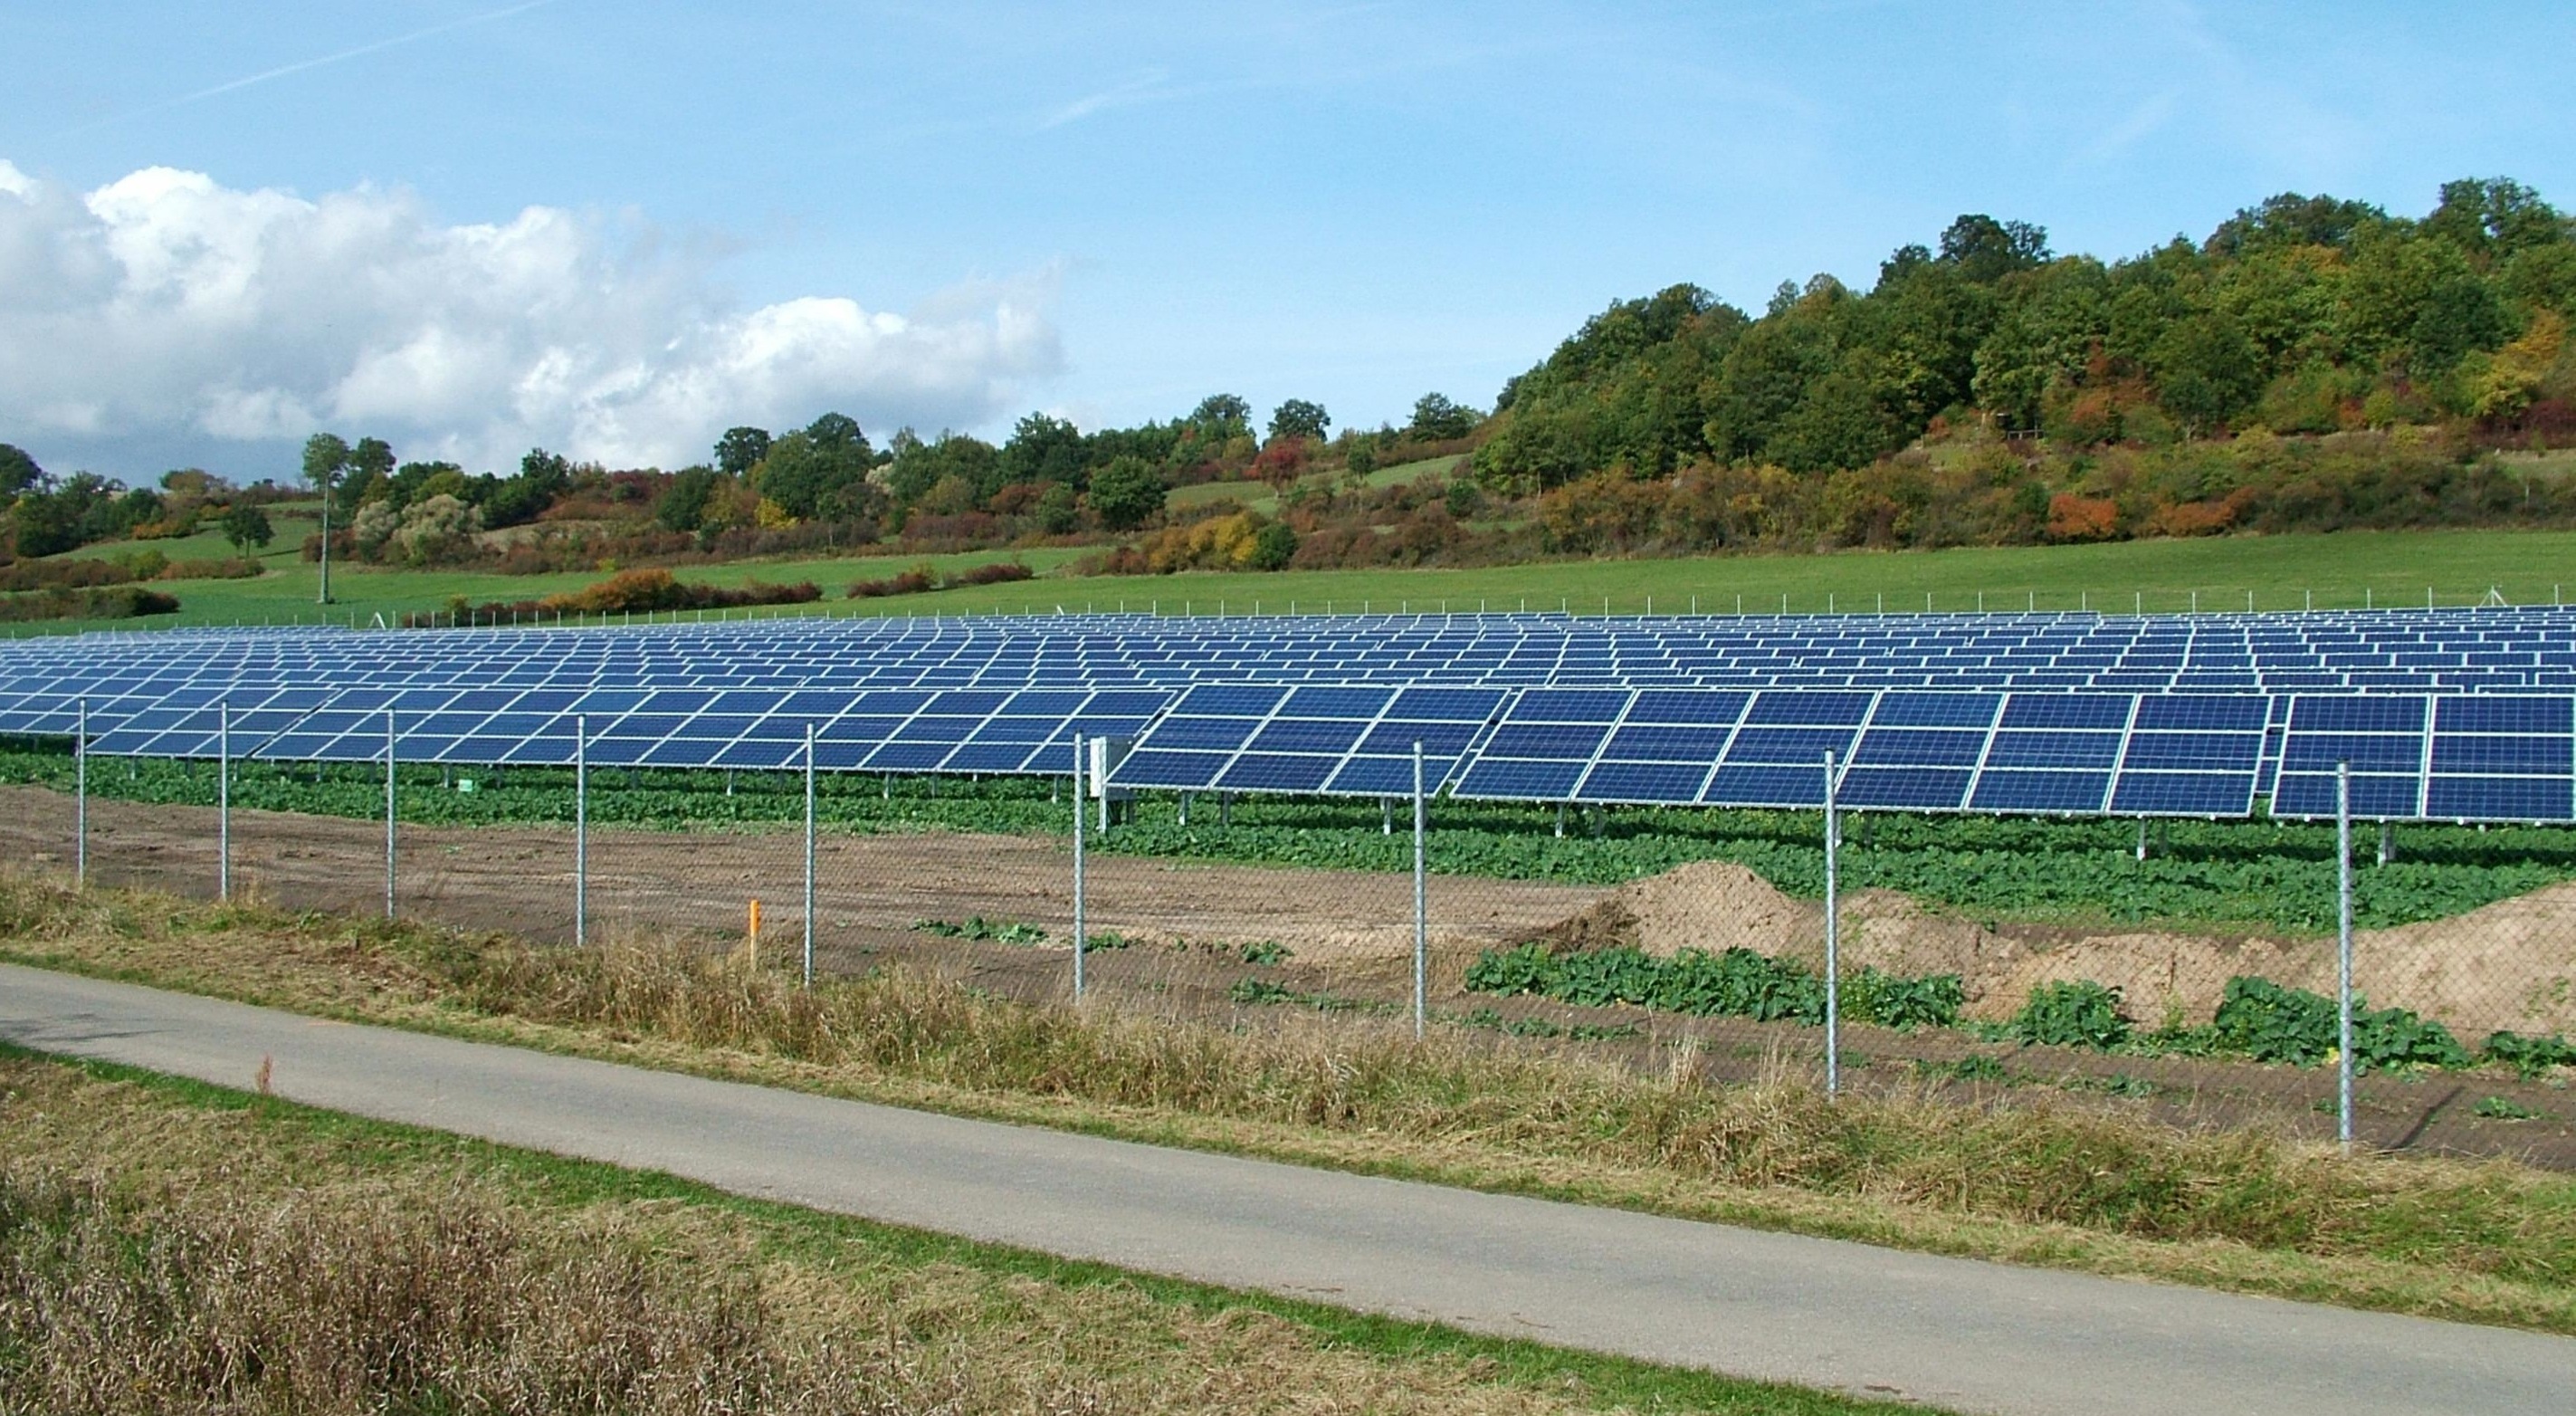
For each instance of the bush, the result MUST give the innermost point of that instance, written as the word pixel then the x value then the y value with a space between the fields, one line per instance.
pixel 997 573
pixel 918 580
pixel 114 602
pixel 643 592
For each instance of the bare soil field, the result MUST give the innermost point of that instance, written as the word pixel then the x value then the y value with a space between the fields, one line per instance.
pixel 2510 965
pixel 1177 937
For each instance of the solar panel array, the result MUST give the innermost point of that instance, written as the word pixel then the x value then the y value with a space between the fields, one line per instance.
pixel 875 730
pixel 2461 714
pixel 1903 750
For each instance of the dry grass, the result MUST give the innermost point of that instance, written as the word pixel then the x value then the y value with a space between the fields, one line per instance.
pixel 2034 1180
pixel 161 1254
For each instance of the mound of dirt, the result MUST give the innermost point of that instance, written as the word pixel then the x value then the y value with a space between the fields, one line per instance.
pixel 2509 965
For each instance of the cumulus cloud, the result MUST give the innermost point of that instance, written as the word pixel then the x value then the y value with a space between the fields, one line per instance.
pixel 166 307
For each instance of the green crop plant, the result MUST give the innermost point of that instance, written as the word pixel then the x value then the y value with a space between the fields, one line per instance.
pixel 2531 1057
pixel 2270 1023
pixel 1736 983
pixel 2076 1013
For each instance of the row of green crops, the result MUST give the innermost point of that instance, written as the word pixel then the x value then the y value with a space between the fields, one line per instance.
pixel 2256 1018
pixel 1738 983
pixel 2226 874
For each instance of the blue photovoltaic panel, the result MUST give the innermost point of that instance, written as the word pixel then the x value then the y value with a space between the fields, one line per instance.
pixel 1317 739
pixel 2382 738
pixel 2504 758
pixel 2191 755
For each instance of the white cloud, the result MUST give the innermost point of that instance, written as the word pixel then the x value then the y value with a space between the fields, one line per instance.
pixel 164 308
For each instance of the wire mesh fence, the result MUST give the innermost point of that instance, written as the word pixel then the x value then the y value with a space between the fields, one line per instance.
pixel 2331 974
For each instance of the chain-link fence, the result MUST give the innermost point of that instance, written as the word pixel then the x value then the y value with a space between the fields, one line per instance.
pixel 2403 986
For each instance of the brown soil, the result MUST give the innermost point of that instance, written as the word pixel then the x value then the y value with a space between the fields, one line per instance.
pixel 2509 965
pixel 1185 924
pixel 871 890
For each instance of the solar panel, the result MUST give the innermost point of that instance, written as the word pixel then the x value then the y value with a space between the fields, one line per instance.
pixel 2383 739
pixel 1324 740
pixel 2190 755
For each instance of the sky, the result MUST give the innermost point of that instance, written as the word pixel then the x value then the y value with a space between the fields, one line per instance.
pixel 615 229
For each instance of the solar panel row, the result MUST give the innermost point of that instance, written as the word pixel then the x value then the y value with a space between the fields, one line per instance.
pixel 1929 713
pixel 899 730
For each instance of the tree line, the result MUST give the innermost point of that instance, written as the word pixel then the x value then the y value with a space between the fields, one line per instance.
pixel 2299 315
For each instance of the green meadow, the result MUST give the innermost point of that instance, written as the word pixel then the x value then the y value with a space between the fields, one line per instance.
pixel 2347 569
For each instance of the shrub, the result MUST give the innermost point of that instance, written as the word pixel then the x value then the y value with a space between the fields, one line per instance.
pixel 113 602
pixel 918 580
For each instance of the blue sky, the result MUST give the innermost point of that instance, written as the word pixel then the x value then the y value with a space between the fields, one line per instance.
pixel 615 228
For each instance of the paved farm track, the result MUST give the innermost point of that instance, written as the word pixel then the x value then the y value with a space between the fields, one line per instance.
pixel 1975 1336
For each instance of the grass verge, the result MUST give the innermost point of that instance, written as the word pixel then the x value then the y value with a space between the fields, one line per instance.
pixel 165 1244
pixel 2073 1183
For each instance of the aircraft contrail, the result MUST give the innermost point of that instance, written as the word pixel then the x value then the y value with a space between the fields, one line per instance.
pixel 321 62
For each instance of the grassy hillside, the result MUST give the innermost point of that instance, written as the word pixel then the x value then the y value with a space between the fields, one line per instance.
pixel 2348 569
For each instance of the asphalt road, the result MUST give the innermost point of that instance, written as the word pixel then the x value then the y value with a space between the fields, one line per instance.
pixel 1951 1332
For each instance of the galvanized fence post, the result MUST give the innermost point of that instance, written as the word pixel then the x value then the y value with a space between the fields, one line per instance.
pixel 223 801
pixel 1833 939
pixel 80 797
pixel 389 813
pixel 581 830
pixel 1079 940
pixel 1421 905
pixel 2343 955
pixel 809 855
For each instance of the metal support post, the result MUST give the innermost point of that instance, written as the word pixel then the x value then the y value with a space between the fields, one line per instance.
pixel 1079 938
pixel 809 855
pixel 2142 838
pixel 581 830
pixel 1421 903
pixel 2387 842
pixel 1386 811
pixel 1833 939
pixel 80 797
pixel 2343 955
pixel 224 801
pixel 389 813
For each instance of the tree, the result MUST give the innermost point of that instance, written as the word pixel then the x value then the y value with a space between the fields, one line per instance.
pixel 685 503
pixel 371 463
pixel 1985 250
pixel 811 479
pixel 839 432
pixel 1436 419
pixel 547 473
pixel 1298 418
pixel 2206 371
pixel 245 524
pixel 1127 493
pixel 740 450
pixel 1043 449
pixel 1223 408
pixel 1055 512
pixel 18 472
pixel 326 457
